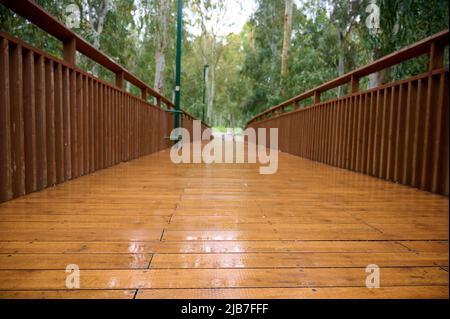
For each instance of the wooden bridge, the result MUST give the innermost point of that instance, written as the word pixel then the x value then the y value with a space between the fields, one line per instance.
pixel 86 179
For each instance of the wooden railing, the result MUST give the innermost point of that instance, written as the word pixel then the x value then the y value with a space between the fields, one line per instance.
pixel 397 132
pixel 58 122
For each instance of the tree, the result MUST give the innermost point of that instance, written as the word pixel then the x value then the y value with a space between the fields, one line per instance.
pixel 262 63
pixel 344 16
pixel 286 43
pixel 97 11
pixel 210 17
pixel 161 44
pixel 403 22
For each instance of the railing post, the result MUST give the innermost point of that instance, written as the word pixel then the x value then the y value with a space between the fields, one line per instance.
pixel 120 80
pixel 70 51
pixel 354 84
pixel 316 97
pixel 158 102
pixel 436 56
pixel 144 94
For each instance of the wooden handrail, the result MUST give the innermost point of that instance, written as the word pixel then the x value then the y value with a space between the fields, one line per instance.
pixel 433 45
pixel 31 11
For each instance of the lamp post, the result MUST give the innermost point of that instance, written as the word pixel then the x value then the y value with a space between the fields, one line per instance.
pixel 205 83
pixel 178 65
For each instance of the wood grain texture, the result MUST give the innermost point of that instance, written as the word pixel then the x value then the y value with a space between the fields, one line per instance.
pixel 163 230
pixel 416 292
pixel 397 132
pixel 59 122
pixel 147 228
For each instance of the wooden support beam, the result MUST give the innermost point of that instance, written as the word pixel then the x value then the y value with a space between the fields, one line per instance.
pixel 437 52
pixel 354 84
pixel 70 51
pixel 144 94
pixel 158 102
pixel 120 80
pixel 316 97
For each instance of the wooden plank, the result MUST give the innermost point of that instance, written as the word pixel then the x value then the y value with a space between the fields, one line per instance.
pixel 392 133
pixel 348 132
pixel 86 126
pixel 400 133
pixel 220 278
pixel 79 123
pixel 427 246
pixel 92 134
pixel 430 121
pixel 29 109
pixel 68 294
pixel 50 121
pixel 97 125
pixel 340 132
pixel 73 123
pixel 62 116
pixel 438 135
pixel 418 292
pixel 386 114
pixel 120 80
pixel 419 133
pixel 6 191
pixel 217 247
pixel 67 139
pixel 41 124
pixel 84 261
pixel 360 137
pixel 410 122
pixel 377 132
pixel 70 51
pixel 296 260
pixel 345 133
pixel 107 125
pixel 113 127
pixel 355 135
pixel 444 187
pixel 299 232
pixel 437 56
pixel 329 136
pixel 80 234
pixel 366 126
pixel 371 132
pixel 101 130
pixel 17 121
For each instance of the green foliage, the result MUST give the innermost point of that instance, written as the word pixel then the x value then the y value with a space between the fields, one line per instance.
pixel 247 77
pixel 404 22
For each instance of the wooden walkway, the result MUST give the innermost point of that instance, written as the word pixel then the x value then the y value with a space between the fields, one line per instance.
pixel 152 229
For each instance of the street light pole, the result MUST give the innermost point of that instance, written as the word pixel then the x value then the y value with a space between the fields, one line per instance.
pixel 178 65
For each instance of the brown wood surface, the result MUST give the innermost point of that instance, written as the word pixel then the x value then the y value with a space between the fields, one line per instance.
pixel 397 132
pixel 60 123
pixel 151 229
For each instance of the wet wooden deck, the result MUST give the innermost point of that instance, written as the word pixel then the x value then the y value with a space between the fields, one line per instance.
pixel 152 229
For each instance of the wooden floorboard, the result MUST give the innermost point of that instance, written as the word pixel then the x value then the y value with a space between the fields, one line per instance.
pixel 152 229
pixel 405 292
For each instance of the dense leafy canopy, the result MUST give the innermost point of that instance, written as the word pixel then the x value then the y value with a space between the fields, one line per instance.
pixel 246 65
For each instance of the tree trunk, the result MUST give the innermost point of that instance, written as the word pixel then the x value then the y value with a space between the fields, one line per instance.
pixel 97 30
pixel 341 66
pixel 161 45
pixel 286 43
pixel 380 77
pixel 211 95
